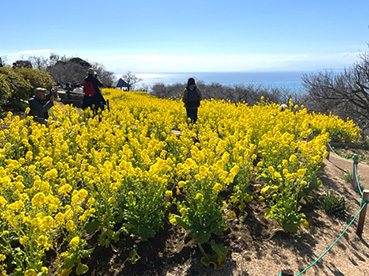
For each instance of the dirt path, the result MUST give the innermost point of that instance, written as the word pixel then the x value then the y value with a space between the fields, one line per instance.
pixel 343 166
pixel 349 256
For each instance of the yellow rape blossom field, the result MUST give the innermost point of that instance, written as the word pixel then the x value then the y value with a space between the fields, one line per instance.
pixel 128 170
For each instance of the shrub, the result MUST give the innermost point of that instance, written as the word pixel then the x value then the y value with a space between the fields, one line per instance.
pixel 14 84
pixel 333 204
pixel 36 78
pixel 5 90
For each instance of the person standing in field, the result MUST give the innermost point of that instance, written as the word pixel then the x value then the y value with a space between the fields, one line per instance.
pixel 191 99
pixel 91 88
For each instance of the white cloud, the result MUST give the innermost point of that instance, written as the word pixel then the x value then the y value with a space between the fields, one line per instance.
pixel 30 52
pixel 233 56
pixel 195 63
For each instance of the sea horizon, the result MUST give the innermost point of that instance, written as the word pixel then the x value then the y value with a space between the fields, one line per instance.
pixel 291 80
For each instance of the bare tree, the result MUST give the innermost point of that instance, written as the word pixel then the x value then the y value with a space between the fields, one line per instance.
pixel 40 62
pixel 106 77
pixel 22 64
pixel 67 72
pixel 161 90
pixel 2 62
pixel 345 94
pixel 131 79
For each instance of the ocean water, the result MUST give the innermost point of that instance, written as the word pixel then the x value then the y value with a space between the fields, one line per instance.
pixel 291 80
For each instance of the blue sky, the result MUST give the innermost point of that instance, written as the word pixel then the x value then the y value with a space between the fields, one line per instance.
pixel 189 35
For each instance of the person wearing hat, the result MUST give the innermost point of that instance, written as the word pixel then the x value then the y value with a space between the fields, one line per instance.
pixel 91 88
pixel 191 99
pixel 39 105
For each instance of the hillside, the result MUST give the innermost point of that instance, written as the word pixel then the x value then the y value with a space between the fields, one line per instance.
pixel 137 190
pixel 258 247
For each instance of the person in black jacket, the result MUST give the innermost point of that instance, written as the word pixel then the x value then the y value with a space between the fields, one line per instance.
pixel 93 97
pixel 39 105
pixel 191 99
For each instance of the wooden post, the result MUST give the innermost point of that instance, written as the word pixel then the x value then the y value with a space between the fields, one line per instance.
pixel 360 225
pixel 355 159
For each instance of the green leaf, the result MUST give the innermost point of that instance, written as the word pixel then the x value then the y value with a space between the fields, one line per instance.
pixel 181 222
pixel 268 213
pixel 69 261
pixel 200 236
pixel 218 259
pixel 85 253
pixel 92 226
pixel 81 269
pixel 220 249
pixel 290 227
pixel 133 255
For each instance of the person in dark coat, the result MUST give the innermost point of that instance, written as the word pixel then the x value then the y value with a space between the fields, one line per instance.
pixel 93 97
pixel 191 99
pixel 39 105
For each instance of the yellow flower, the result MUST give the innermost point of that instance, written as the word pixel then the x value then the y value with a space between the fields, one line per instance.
pixel 172 219
pixel 43 241
pixel 23 239
pixel 59 218
pixel 233 199
pixel 168 193
pixel 111 200
pixel 293 159
pixel 74 243
pixel 277 175
pixel 38 200
pixel 284 163
pixel 52 174
pixel 235 170
pixel 264 190
pixel 75 199
pixel 305 223
pixel 82 194
pixel 301 172
pixel 65 190
pixel 183 211
pixel 29 156
pixel 217 187
pixel 90 202
pixel 199 196
pixel 271 170
pixel 181 184
pixel 30 272
pixel 231 214
pixel 2 257
pixel 70 226
pixel 2 201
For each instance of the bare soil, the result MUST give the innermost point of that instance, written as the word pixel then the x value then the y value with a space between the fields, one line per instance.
pixel 256 246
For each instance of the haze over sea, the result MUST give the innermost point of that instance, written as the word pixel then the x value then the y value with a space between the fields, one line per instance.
pixel 291 80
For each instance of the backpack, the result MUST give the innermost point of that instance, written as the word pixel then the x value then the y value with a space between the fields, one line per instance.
pixel 193 98
pixel 88 88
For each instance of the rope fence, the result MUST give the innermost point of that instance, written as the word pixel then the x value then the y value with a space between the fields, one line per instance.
pixel 362 212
